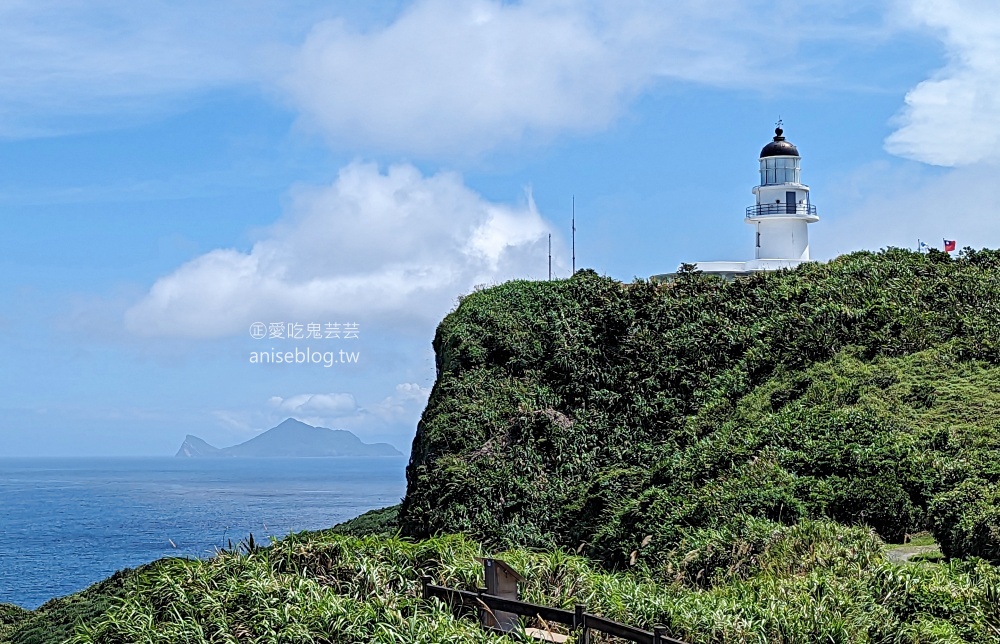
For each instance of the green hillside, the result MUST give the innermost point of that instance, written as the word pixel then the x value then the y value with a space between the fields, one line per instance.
pixel 764 584
pixel 727 459
pixel 592 414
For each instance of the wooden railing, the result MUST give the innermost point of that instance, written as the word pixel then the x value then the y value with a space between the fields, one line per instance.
pixel 578 619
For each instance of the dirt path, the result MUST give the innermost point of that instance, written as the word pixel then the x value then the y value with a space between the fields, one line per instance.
pixel 902 554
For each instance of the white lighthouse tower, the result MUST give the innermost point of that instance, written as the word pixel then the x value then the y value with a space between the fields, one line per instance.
pixel 783 212
pixel 780 218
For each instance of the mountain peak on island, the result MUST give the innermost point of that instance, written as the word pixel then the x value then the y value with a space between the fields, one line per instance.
pixel 291 439
pixel 292 424
pixel 194 446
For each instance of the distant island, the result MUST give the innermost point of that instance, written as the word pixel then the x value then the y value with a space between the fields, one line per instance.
pixel 292 438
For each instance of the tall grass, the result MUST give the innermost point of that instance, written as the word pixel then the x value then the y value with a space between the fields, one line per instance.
pixel 806 583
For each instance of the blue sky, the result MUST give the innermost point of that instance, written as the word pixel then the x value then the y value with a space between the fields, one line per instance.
pixel 171 174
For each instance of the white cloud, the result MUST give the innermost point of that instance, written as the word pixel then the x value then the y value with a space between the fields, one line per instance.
pixel 404 405
pixel 401 407
pixel 67 65
pixel 903 205
pixel 239 422
pixel 60 58
pixel 434 77
pixel 335 405
pixel 952 118
pixel 391 248
pixel 461 77
pixel 393 418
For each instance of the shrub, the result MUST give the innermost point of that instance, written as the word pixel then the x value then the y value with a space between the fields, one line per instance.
pixel 588 411
pixel 966 520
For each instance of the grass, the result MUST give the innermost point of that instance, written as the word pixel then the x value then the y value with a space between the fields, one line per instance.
pixel 383 522
pixel 730 458
pixel 814 581
pixel 10 617
pixel 932 556
pixel 56 620
pixel 920 539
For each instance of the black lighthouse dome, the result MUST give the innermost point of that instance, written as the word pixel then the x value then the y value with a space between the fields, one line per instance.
pixel 779 147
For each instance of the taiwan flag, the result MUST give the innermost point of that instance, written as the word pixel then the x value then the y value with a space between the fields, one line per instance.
pixel 949 245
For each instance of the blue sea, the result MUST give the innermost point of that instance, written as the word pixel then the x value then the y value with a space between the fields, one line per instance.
pixel 67 523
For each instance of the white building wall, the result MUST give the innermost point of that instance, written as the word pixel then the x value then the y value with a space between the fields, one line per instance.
pixel 776 193
pixel 782 238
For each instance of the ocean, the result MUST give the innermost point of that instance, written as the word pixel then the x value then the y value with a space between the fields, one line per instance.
pixel 69 522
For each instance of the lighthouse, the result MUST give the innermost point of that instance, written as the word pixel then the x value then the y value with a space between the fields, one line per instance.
pixel 783 212
pixel 780 217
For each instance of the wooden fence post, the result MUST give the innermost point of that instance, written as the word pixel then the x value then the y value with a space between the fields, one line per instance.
pixel 482 610
pixel 580 622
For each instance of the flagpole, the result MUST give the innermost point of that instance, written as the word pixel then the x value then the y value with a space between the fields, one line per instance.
pixel 550 257
pixel 574 234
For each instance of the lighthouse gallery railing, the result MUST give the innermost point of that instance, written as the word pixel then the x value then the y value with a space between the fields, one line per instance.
pixel 781 209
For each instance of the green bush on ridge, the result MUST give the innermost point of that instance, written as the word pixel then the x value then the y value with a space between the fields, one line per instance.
pixel 10 617
pixel 587 411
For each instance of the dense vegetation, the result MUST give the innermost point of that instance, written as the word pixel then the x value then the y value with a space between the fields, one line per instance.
pixel 723 458
pixel 594 414
pixel 768 583
pixel 56 620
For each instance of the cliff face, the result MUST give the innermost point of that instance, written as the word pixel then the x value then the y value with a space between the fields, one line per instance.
pixel 194 447
pixel 617 417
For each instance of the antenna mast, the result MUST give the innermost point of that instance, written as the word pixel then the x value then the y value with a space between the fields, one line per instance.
pixel 550 257
pixel 574 234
